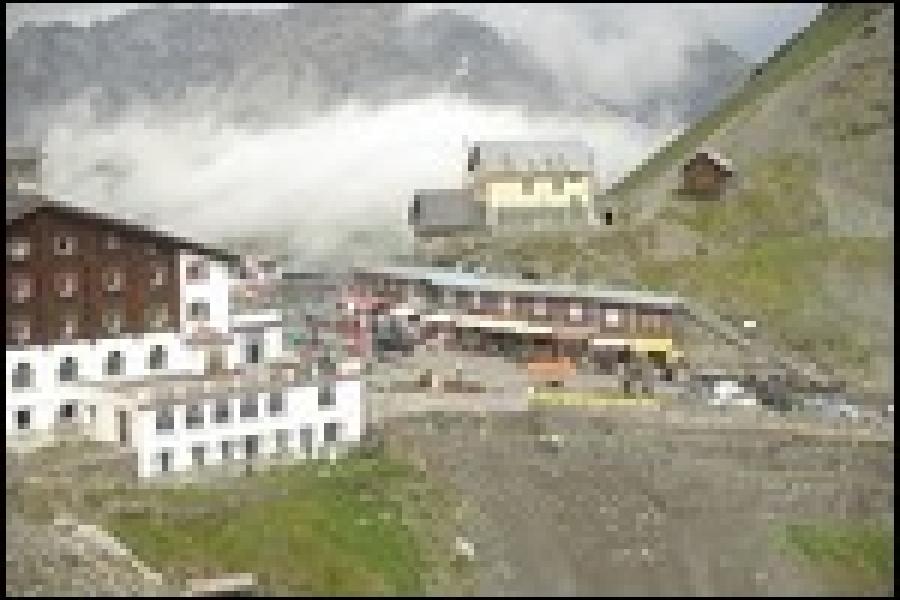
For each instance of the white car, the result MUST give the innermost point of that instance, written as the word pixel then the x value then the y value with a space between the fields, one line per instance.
pixel 728 392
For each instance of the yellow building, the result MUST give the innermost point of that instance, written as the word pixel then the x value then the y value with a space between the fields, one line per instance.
pixel 526 180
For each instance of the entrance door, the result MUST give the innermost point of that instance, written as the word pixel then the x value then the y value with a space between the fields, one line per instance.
pixel 122 418
pixel 251 447
pixel 215 360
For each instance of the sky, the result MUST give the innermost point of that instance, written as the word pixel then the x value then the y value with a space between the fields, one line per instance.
pixel 359 167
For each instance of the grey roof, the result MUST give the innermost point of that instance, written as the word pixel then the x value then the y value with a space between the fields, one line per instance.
pixel 445 211
pixel 474 281
pixel 531 156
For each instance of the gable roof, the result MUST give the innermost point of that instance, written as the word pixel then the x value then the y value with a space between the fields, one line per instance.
pixel 19 205
pixel 531 156
pixel 437 211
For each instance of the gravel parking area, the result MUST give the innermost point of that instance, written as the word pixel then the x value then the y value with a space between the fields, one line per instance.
pixel 621 501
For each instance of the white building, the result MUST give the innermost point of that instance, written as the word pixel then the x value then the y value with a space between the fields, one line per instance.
pixel 180 423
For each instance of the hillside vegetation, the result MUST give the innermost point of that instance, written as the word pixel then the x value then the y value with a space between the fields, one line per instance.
pixel 802 242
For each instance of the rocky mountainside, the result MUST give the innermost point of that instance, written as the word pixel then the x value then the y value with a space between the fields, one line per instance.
pixel 276 66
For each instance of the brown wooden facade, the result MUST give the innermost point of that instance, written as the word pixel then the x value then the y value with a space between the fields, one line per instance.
pixel 704 177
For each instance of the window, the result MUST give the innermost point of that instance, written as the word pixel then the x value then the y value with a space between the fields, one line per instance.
pixel 558 184
pixel 251 446
pixel 158 316
pixel 23 418
pixel 92 412
pixel 282 440
pixel 112 280
pixel 197 270
pixel 198 311
pixel 18 248
pixel 575 312
pixel 22 376
pixel 157 357
pixel 575 201
pixel 68 369
pixel 331 432
pixel 226 448
pixel 539 308
pixel 69 327
pixel 198 455
pixel 112 242
pixel 165 461
pixel 253 353
pixel 609 217
pixel 326 396
pixel 64 245
pixel 574 178
pixel 159 276
pixel 67 412
pixel 21 288
pixel 528 186
pixel 276 404
pixel 249 407
pixel 20 330
pixel 222 413
pixel 194 416
pixel 165 420
pixel 305 439
pixel 112 322
pixel 66 284
pixel 114 364
pixel 613 317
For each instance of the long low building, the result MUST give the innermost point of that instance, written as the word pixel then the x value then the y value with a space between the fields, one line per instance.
pixel 179 423
pixel 608 329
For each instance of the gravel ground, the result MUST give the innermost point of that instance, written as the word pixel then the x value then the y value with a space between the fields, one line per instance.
pixel 627 503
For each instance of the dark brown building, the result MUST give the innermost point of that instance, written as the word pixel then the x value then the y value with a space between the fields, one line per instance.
pixel 74 275
pixel 705 176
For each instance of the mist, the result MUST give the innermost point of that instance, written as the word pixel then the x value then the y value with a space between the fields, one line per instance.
pixel 315 183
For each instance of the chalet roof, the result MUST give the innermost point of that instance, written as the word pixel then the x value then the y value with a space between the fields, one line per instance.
pixel 20 204
pixel 448 210
pixel 716 157
pixel 531 156
pixel 493 283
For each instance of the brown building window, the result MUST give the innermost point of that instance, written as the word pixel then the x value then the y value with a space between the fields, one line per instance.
pixel 66 284
pixel 112 322
pixel 18 248
pixel 159 276
pixel 112 241
pixel 194 416
pixel 112 280
pixel 158 316
pixel 64 245
pixel 21 288
pixel 69 329
pixel 20 331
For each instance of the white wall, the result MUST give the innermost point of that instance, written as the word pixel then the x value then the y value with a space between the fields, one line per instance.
pixel 213 290
pixel 300 410
pixel 48 393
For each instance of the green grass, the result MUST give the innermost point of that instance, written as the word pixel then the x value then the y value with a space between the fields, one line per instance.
pixel 564 398
pixel 832 27
pixel 863 552
pixel 314 528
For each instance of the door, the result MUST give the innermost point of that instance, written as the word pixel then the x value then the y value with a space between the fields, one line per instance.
pixel 215 360
pixel 122 418
pixel 251 447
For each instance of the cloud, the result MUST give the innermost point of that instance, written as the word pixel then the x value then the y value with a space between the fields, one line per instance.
pixel 354 168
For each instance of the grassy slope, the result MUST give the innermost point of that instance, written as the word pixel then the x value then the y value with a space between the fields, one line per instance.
pixel 367 524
